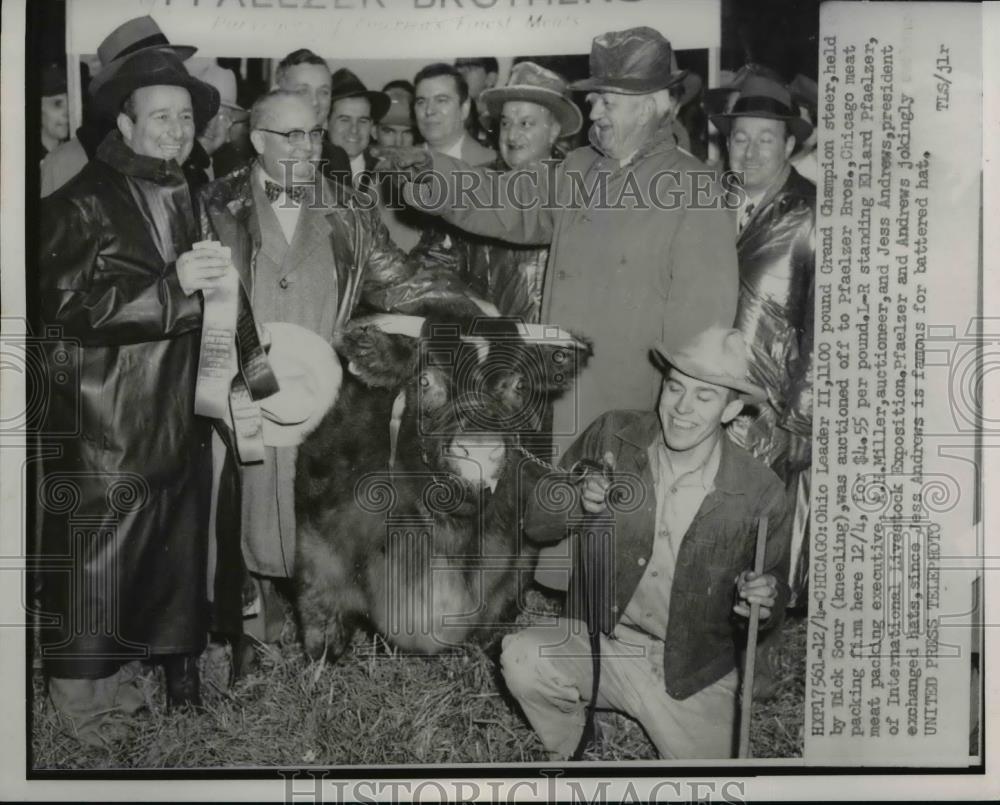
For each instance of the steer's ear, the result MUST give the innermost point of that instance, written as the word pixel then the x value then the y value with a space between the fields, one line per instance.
pixel 378 358
pixel 556 358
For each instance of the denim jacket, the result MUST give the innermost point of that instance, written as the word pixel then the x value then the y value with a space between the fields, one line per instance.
pixel 702 631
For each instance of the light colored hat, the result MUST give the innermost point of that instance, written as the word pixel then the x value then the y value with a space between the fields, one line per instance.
pixel 208 70
pixel 530 82
pixel 309 377
pixel 717 355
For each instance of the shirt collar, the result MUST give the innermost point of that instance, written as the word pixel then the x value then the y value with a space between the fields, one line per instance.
pixel 704 474
pixel 358 164
pixel 646 429
pixel 455 149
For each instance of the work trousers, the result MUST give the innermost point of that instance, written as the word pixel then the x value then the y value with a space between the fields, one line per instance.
pixel 548 669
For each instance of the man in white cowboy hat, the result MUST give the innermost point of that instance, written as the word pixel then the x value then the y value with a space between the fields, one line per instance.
pixel 683 536
pixel 777 252
pixel 117 280
pixel 131 37
pixel 635 255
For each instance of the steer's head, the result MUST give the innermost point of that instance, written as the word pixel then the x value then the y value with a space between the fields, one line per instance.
pixel 471 388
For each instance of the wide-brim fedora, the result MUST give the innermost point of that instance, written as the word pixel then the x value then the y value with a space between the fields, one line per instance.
pixel 717 355
pixel 718 100
pixel 309 376
pixel 760 96
pixel 133 36
pixel 155 68
pixel 635 61
pixel 347 85
pixel 533 83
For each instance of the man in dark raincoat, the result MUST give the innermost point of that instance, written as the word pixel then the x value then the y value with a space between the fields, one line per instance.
pixel 125 504
pixel 776 250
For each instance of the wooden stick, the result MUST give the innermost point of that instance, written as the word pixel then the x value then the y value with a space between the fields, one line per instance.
pixel 747 695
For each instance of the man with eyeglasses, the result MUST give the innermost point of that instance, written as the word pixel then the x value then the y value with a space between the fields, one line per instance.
pixel 308 252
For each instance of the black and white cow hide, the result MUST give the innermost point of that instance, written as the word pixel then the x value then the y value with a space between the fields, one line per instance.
pixel 408 495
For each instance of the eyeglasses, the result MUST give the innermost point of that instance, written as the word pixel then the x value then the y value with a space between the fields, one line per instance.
pixel 298 136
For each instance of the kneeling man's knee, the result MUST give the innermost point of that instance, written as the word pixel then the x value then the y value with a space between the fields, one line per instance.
pixel 519 658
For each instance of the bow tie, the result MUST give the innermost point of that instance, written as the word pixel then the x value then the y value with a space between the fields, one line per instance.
pixel 273 191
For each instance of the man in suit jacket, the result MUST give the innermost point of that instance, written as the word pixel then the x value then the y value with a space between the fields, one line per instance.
pixel 441 107
pixel 307 252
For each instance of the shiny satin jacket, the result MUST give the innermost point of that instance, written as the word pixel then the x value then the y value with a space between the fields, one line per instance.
pixel 509 276
pixel 777 255
pixel 127 496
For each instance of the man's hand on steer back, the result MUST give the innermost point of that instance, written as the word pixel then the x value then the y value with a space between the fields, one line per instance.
pixel 755 589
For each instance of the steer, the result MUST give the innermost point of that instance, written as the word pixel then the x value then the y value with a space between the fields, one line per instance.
pixel 408 494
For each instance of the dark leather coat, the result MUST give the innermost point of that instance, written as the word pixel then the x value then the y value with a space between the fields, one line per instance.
pixel 127 498
pixel 777 255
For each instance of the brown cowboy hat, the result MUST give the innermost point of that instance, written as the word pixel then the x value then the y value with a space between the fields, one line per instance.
pixel 760 96
pixel 533 83
pixel 347 85
pixel 717 355
pixel 155 68
pixel 635 61
pixel 131 37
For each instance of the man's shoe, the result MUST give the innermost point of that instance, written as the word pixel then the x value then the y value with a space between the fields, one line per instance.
pixel 183 682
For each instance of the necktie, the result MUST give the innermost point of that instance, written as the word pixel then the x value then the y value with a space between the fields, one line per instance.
pixel 745 216
pixel 273 191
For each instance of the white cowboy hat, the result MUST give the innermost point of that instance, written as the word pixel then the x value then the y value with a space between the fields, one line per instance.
pixel 309 377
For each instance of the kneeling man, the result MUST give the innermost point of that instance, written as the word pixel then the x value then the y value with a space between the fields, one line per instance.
pixel 683 540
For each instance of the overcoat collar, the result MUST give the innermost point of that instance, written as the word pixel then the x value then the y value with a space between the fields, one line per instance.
pixel 660 141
